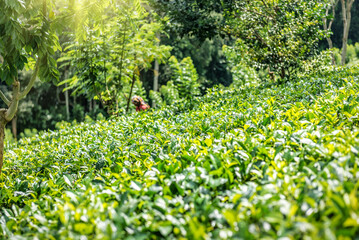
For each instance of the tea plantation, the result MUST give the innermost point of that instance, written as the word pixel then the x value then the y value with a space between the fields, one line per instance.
pixel 272 162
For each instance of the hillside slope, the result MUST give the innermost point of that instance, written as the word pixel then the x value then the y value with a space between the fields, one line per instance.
pixel 269 162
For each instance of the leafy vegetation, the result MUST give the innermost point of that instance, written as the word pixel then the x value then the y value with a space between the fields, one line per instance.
pixel 279 161
pixel 274 156
pixel 115 49
pixel 27 38
pixel 184 27
pixel 184 84
pixel 352 57
pixel 278 35
pixel 243 75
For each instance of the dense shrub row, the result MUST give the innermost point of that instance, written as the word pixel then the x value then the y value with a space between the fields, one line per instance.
pixel 268 162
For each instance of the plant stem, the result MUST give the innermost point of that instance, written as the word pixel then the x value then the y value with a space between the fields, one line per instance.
pixel 129 97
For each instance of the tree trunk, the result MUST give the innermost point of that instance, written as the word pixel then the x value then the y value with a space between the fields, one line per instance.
pixel 133 83
pixel 330 43
pixel 129 97
pixel 155 80
pixel 67 101
pixel 117 103
pixel 328 27
pixel 2 136
pixel 14 127
pixel 282 73
pixel 6 115
pixel 90 105
pixel 156 72
pixel 346 15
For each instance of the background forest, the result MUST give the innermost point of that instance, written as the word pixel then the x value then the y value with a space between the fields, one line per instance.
pixel 104 48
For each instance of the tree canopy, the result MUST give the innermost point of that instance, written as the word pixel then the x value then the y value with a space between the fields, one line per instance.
pixel 278 35
pixel 26 39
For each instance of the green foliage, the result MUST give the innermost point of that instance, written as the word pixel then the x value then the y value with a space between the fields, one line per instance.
pixel 9 138
pixel 25 35
pixel 278 35
pixel 352 57
pixel 351 53
pixel 156 96
pixel 260 162
pixel 357 49
pixel 170 93
pixel 243 75
pixel 318 64
pixel 185 77
pixel 28 133
pixel 184 85
pixel 167 95
pixel 195 18
pixel 207 57
pixel 113 53
pixel 337 55
pixel 337 26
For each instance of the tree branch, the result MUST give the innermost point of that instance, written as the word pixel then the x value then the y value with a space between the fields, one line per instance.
pixel 11 111
pixel 4 98
pixel 351 3
pixel 333 12
pixel 32 81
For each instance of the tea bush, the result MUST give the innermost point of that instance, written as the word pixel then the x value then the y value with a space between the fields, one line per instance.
pixel 351 53
pixel 272 162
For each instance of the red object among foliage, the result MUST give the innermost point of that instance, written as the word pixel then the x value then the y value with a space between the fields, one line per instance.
pixel 140 104
pixel 142 108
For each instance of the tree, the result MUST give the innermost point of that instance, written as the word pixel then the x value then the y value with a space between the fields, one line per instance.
pixel 200 18
pixel 26 39
pixel 243 75
pixel 346 16
pixel 327 27
pixel 277 35
pixel 156 73
pixel 113 52
pixel 337 26
pixel 196 30
pixel 185 77
pixel 183 85
pixel 207 57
